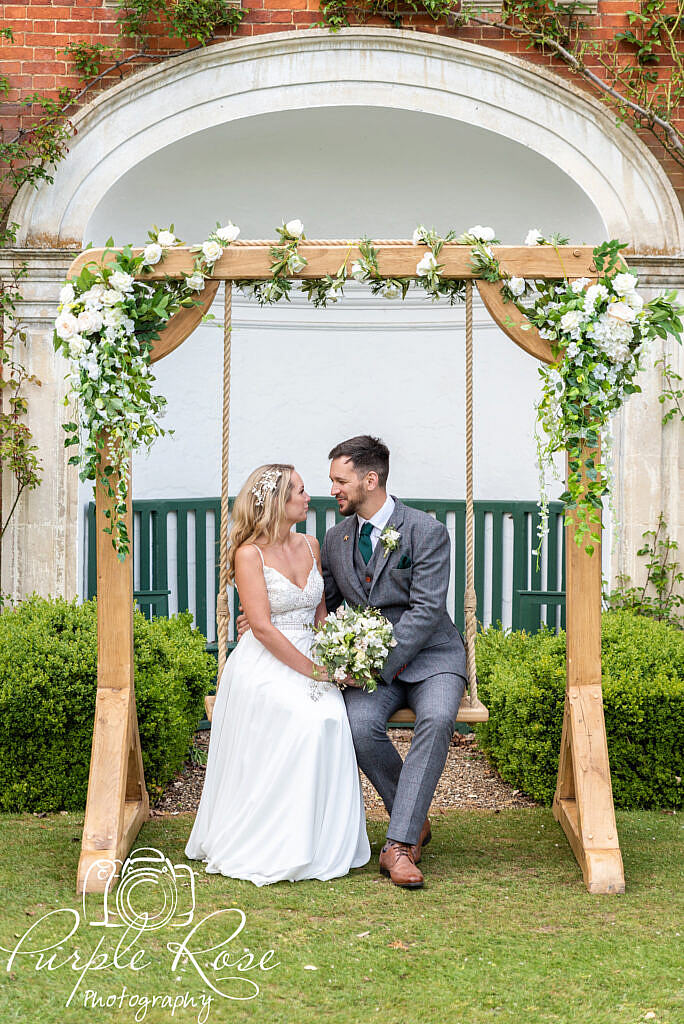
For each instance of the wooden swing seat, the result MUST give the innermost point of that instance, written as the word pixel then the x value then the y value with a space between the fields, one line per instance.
pixel 468 712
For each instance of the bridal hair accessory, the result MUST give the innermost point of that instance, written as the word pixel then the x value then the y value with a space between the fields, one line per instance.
pixel 267 482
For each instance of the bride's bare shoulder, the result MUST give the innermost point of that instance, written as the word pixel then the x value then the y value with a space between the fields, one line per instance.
pixel 248 556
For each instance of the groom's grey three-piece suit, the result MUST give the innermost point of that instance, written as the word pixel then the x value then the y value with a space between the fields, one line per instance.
pixel 426 671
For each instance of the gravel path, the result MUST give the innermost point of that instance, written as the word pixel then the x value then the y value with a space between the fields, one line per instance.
pixel 467 781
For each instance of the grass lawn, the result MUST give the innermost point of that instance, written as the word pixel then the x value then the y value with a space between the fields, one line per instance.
pixel 503 932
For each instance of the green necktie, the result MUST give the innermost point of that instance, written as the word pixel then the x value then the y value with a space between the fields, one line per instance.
pixel 365 546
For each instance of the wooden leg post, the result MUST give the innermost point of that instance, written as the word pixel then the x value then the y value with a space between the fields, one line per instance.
pixel 117 802
pixel 583 802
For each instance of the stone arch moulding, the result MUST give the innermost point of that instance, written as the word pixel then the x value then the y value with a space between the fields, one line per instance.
pixel 357 67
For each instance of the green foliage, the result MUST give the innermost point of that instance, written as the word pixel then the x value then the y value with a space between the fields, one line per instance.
pixel 521 678
pixel 188 20
pixel 661 593
pixel 48 676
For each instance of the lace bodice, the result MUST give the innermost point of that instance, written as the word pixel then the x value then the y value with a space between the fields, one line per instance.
pixel 293 607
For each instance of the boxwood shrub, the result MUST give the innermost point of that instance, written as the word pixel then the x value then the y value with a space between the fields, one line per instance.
pixel 522 680
pixel 48 678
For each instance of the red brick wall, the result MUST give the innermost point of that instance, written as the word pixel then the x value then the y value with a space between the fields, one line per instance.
pixel 41 28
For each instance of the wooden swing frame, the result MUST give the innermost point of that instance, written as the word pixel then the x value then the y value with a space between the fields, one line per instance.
pixel 117 802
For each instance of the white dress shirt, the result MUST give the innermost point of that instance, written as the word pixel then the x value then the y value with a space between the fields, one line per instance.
pixel 379 520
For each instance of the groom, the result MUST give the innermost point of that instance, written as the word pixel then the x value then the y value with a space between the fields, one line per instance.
pixel 406 577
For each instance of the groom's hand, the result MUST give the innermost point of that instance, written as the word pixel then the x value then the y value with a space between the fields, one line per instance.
pixel 241 624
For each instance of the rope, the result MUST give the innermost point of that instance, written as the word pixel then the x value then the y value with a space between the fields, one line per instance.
pixel 321 241
pixel 222 611
pixel 470 599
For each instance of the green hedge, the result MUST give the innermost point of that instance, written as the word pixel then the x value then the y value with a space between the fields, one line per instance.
pixel 521 679
pixel 48 673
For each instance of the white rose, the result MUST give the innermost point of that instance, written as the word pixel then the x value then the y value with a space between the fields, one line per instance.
pixel 517 286
pixel 571 320
pixel 391 290
pixel 93 297
pixel 166 238
pixel 296 263
pixel 152 253
pixel 482 234
pixel 229 232
pixel 77 346
pixel 623 283
pixel 211 250
pixel 195 281
pixel 66 326
pixel 595 292
pixel 427 265
pixel 357 271
pixel 66 295
pixel 634 300
pixel 89 320
pixel 295 228
pixel 533 237
pixel 121 281
pixel 112 297
pixel 418 235
pixel 621 311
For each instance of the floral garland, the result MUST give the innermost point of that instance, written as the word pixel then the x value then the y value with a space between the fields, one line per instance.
pixel 106 324
pixel 599 332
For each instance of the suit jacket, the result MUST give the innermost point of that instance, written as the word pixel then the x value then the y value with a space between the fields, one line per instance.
pixel 409 586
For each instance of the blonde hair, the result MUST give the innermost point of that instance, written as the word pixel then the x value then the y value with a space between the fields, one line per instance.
pixel 259 508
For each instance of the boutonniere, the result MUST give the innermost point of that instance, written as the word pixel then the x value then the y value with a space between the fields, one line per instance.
pixel 390 539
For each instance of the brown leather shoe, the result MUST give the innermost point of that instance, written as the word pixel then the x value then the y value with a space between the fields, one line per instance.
pixel 397 863
pixel 424 839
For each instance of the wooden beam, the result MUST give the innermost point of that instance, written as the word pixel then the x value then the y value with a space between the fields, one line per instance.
pixel 253 261
pixel 583 802
pixel 183 323
pixel 512 322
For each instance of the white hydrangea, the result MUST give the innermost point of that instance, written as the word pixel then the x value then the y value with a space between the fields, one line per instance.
pixel 579 285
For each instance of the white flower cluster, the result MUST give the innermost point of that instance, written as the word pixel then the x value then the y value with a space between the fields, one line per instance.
pixel 267 482
pixel 354 642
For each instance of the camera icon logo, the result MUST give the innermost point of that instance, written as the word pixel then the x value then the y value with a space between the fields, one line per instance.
pixel 152 892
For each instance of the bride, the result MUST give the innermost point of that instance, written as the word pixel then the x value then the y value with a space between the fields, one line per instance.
pixel 282 797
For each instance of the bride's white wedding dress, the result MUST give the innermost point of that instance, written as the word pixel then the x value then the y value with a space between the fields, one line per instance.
pixel 282 797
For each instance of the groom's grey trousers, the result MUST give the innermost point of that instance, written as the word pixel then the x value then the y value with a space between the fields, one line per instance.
pixel 406 787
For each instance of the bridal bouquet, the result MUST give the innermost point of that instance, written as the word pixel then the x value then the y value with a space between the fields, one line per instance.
pixel 354 642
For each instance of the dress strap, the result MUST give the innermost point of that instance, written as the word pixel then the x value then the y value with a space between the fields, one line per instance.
pixel 261 556
pixel 310 548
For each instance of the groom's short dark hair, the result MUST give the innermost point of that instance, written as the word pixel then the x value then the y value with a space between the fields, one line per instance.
pixel 366 453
